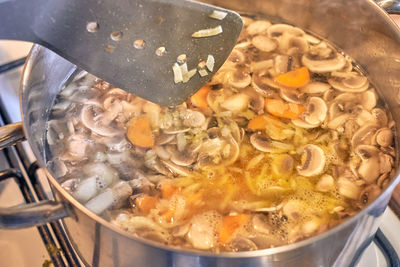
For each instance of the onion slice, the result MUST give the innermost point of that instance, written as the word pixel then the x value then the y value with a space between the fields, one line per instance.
pixel 219 15
pixel 208 32
pixel 189 75
pixel 178 77
pixel 203 72
pixel 210 62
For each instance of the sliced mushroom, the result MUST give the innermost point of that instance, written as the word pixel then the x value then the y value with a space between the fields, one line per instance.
pixel 348 188
pixel 315 88
pixel 325 184
pixel 315 114
pixel 88 120
pixel 181 158
pixel 384 137
pixel 282 165
pixel 316 111
pixel 176 169
pixel 260 224
pixel 257 27
pixel 380 117
pixel 369 169
pixel 162 139
pixel 370 193
pixel 240 78
pixel 236 102
pixel 264 43
pixel 193 118
pixel 281 64
pixel 364 135
pixel 241 243
pixel 264 144
pixel 256 101
pixel 313 161
pixel 369 99
pixel 256 66
pixel 263 84
pixel 349 82
pixel 277 30
pixel 321 60
pixel 237 56
pixel 291 95
pixel 385 163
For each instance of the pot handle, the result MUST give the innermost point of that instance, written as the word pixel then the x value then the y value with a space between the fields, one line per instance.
pixel 32 214
pixel 390 6
pixel 11 134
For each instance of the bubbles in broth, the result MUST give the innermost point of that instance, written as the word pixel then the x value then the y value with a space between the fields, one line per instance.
pixel 287 140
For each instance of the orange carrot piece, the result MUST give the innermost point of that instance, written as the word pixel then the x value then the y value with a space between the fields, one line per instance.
pixel 229 225
pixel 169 214
pixel 281 109
pixel 295 78
pixel 146 203
pixel 199 99
pixel 258 123
pixel 168 190
pixel 139 133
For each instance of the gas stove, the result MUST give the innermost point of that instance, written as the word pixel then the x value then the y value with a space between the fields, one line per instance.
pixel 21 180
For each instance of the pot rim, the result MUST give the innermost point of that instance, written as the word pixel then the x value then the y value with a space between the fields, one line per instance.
pixel 37 50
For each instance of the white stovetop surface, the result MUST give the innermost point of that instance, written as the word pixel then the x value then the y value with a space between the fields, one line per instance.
pixel 24 248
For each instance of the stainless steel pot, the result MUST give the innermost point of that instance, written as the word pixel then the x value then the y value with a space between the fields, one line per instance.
pixel 359 27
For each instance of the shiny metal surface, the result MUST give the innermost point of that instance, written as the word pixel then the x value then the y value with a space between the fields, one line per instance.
pixel 359 28
pixel 32 214
pixel 62 27
pixel 11 134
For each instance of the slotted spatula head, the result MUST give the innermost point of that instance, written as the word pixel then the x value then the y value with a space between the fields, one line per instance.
pixel 99 36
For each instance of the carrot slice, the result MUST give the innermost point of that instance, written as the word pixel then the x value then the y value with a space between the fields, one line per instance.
pixel 199 99
pixel 146 203
pixel 168 190
pixel 258 123
pixel 229 225
pixel 139 133
pixel 282 109
pixel 295 78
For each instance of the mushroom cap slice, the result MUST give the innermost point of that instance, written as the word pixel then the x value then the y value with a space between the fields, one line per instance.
pixel 264 43
pixel 316 111
pixel 321 65
pixel 364 135
pixel 277 30
pixel 315 88
pixel 264 144
pixel 384 137
pixel 369 169
pixel 88 120
pixel 258 27
pixel 313 161
pixel 352 82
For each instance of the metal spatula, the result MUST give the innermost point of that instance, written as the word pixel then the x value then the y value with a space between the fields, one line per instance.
pixel 118 40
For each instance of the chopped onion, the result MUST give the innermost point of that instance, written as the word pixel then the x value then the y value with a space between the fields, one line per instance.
pixel 210 62
pixel 208 32
pixel 203 72
pixel 178 77
pixel 184 69
pixel 189 75
pixel 219 15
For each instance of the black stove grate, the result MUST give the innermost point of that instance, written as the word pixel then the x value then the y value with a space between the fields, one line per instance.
pixel 53 234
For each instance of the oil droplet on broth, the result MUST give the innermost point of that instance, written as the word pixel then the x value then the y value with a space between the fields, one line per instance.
pixel 92 26
pixel 139 44
pixel 116 35
pixel 161 51
pixel 109 48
